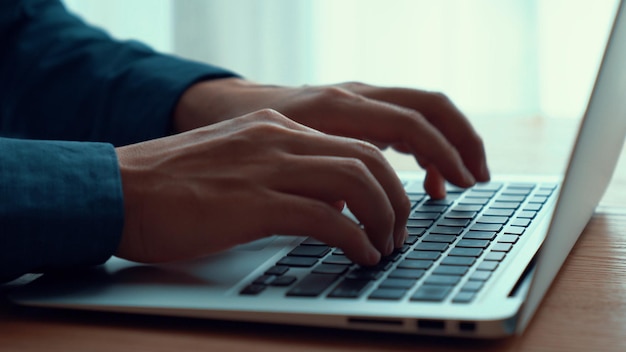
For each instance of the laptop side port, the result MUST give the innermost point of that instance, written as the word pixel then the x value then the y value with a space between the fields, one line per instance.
pixel 467 326
pixel 431 324
pixel 375 321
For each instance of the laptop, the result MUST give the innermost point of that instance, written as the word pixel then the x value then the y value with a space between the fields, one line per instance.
pixel 476 264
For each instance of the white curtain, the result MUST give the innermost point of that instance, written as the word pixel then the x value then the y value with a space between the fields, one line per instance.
pixel 492 57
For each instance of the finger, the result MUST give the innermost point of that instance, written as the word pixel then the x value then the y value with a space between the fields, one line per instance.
pixel 387 123
pixel 376 164
pixel 328 178
pixel 443 114
pixel 434 183
pixel 296 215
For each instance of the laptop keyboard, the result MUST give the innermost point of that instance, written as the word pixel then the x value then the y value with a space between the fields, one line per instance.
pixel 454 246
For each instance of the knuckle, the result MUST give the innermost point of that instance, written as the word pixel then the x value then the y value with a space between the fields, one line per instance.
pixel 354 167
pixel 269 115
pixel 354 85
pixel 332 94
pixel 370 151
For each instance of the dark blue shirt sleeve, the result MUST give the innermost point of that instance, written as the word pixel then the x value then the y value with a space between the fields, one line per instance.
pixel 68 94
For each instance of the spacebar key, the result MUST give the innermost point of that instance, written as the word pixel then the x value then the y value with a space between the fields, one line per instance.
pixel 312 285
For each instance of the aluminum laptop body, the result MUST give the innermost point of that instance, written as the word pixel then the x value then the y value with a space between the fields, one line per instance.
pixel 223 286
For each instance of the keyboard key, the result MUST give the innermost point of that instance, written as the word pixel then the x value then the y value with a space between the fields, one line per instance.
pixel 446 230
pixel 453 214
pixel 442 280
pixel 501 247
pixel 407 273
pixel 462 261
pixel 505 205
pixel 486 227
pixel 431 293
pixel 480 275
pixel 480 235
pixel 508 238
pixel 439 238
pixel 312 285
pixel 397 283
pixel 489 186
pixel 312 242
pixel 454 222
pixel 511 198
pixel 428 255
pixel 467 208
pixel 411 239
pixel 424 216
pixel 309 251
pixel 417 231
pixel 415 264
pixel 514 230
pixel 499 212
pixel 431 246
pixel 473 243
pixel 516 192
pixel 543 192
pixel 445 201
pixel 532 206
pixel 526 214
pixel 333 269
pixel 363 273
pixel 285 280
pixel 452 270
pixel 526 185
pixel 488 265
pixel 384 264
pixel 297 261
pixel 337 259
pixel 252 289
pixel 538 199
pixel 473 286
pixel 388 293
pixel 431 208
pixel 418 223
pixel 349 289
pixel 480 194
pixel 492 219
pixel 264 280
pixel 520 222
pixel 466 252
pixel 277 270
pixel 497 256
pixel 474 201
pixel 464 297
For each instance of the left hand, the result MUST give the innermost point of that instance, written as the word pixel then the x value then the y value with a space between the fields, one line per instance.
pixel 424 124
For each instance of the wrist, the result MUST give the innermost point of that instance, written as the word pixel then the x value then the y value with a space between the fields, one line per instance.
pixel 208 102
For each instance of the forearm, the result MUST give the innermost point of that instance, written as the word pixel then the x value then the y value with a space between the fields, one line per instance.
pixel 62 205
pixel 61 79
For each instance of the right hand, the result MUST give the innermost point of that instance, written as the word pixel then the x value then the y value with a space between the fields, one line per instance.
pixel 208 189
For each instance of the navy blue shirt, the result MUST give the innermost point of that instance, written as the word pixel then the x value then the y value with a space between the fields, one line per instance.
pixel 69 94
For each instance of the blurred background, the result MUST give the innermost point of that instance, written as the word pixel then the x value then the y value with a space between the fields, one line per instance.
pixel 492 57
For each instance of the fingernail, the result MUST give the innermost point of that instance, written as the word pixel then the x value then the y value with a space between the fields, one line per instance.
pixel 468 178
pixel 374 256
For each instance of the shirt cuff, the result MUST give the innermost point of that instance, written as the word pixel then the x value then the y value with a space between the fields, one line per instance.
pixel 62 205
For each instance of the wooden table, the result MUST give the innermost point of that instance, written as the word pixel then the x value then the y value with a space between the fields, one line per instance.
pixel 585 310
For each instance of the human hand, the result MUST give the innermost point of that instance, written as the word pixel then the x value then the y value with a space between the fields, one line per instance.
pixel 208 189
pixel 421 123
